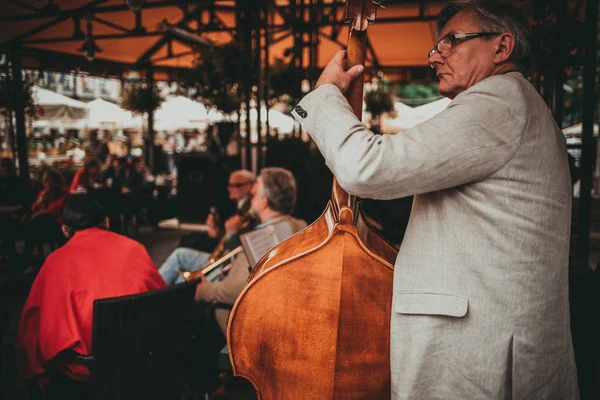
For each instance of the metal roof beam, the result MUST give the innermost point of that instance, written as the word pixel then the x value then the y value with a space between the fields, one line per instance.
pixel 103 9
pixel 156 33
pixel 111 25
pixel 61 18
pixel 24 5
pixel 153 49
pixel 372 51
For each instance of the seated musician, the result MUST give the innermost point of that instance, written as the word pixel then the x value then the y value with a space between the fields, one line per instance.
pixel 93 264
pixel 273 201
pixel 189 259
pixel 239 187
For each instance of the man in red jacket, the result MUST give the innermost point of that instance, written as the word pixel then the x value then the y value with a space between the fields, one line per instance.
pixel 93 264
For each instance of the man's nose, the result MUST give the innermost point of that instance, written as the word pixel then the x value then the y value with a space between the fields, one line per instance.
pixel 435 58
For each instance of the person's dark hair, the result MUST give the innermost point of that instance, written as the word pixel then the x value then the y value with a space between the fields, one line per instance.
pixel 54 176
pixel 279 187
pixel 82 213
pixel 121 161
pixel 91 163
pixel 56 182
pixel 498 16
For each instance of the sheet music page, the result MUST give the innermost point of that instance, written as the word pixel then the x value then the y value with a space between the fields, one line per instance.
pixel 260 241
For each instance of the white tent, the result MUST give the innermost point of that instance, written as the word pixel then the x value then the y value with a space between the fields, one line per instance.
pixel 573 133
pixel 407 117
pixel 104 114
pixel 180 113
pixel 575 130
pixel 54 109
pixel 402 119
pixel 277 120
pixel 426 111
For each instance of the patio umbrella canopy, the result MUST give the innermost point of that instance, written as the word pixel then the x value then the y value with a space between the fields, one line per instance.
pixel 104 114
pixel 407 117
pixel 180 113
pixel 55 109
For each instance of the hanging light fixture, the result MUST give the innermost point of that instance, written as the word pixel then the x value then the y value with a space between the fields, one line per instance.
pixel 135 5
pixel 89 46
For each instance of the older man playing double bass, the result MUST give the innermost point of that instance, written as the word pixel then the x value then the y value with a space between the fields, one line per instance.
pixel 480 308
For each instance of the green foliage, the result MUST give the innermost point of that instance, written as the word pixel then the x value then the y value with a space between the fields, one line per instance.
pixel 284 81
pixel 417 93
pixel 379 98
pixel 217 74
pixel 7 95
pixel 545 33
pixel 379 101
pixel 138 98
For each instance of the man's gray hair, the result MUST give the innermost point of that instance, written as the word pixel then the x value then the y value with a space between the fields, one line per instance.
pixel 279 187
pixel 498 16
pixel 245 174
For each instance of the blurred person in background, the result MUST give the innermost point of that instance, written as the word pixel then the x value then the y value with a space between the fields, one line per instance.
pixel 87 177
pixel 239 188
pixel 115 176
pixel 96 148
pixel 44 223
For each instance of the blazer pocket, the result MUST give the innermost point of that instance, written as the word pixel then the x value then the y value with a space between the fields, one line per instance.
pixel 451 305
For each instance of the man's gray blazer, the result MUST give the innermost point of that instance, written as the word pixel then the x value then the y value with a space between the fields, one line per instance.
pixel 481 306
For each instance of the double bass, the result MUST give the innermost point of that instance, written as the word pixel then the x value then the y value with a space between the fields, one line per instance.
pixel 313 321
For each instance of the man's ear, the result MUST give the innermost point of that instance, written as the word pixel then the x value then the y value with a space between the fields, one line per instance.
pixel 505 45
pixel 66 231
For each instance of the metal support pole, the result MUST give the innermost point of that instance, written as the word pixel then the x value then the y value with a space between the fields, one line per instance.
pixel 588 150
pixel 245 38
pixel 266 87
pixel 19 110
pixel 559 65
pixel 150 146
pixel 257 22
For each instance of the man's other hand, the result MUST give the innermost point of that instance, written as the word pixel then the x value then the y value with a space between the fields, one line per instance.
pixel 213 229
pixel 334 73
pixel 233 224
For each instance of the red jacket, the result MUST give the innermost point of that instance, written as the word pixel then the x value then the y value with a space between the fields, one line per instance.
pixel 53 206
pixel 94 264
pixel 76 180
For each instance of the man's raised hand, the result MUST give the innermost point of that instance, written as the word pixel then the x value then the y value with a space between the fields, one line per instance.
pixel 334 73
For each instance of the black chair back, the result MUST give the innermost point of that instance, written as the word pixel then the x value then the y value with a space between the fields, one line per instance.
pixel 138 344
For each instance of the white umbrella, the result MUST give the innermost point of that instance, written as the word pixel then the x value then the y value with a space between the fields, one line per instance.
pixel 575 130
pixel 277 120
pixel 54 109
pixel 179 113
pixel 573 133
pixel 408 117
pixel 426 111
pixel 402 119
pixel 104 114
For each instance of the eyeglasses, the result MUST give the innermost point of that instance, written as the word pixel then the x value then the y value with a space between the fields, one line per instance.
pixel 239 185
pixel 444 45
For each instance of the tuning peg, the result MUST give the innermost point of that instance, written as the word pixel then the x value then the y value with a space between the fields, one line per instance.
pixel 378 4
